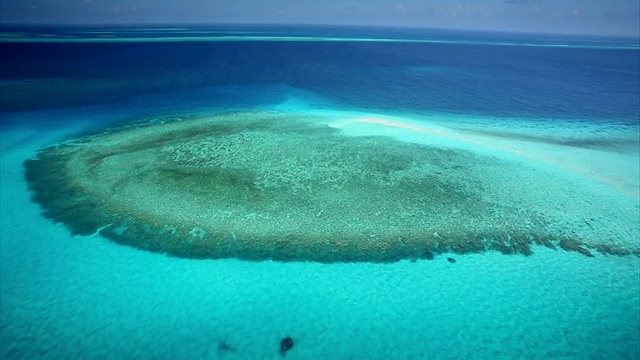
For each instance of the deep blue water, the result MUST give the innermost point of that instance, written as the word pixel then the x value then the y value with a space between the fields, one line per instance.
pixel 572 105
pixel 470 77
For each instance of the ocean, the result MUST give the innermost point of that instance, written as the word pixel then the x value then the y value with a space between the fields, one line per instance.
pixel 207 192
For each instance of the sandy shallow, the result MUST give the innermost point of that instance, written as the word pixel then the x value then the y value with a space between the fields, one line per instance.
pixel 607 152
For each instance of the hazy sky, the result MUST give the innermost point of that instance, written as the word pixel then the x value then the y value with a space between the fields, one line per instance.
pixel 605 17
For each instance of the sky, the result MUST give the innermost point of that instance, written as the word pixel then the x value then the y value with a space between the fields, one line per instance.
pixel 597 17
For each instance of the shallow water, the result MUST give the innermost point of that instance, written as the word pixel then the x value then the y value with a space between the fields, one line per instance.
pixel 66 296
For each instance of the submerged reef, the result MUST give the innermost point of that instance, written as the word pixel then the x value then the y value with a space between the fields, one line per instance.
pixel 289 187
pixel 286 344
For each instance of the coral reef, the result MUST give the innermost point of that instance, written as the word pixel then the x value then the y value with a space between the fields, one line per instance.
pixel 286 344
pixel 288 187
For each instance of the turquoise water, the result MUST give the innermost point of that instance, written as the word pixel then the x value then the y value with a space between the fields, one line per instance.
pixel 85 297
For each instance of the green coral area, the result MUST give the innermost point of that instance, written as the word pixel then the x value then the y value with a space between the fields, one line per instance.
pixel 262 185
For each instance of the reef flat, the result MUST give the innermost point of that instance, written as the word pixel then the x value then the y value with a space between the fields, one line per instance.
pixel 288 186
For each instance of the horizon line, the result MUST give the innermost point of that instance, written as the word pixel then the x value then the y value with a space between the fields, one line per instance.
pixel 307 25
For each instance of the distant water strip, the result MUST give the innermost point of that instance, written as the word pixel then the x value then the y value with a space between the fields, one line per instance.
pixel 68 38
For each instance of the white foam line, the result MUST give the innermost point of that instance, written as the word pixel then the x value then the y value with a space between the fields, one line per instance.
pixel 4 37
pixel 99 230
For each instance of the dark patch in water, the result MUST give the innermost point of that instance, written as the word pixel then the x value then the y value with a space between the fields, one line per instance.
pixel 574 245
pixel 286 344
pixel 223 346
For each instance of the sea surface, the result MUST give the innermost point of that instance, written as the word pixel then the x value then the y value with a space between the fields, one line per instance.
pixel 567 105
